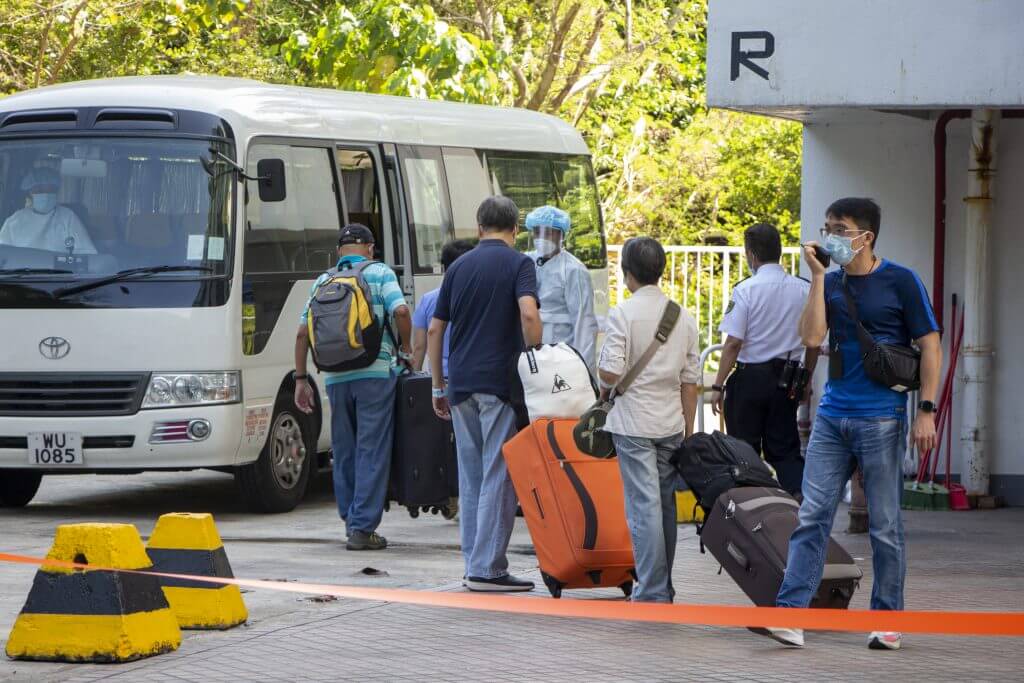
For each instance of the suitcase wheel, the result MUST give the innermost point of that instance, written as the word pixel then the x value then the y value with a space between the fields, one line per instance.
pixel 553 584
pixel 414 512
pixel 451 509
pixel 626 588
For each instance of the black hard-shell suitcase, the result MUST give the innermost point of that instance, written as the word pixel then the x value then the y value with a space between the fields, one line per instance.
pixel 748 532
pixel 424 469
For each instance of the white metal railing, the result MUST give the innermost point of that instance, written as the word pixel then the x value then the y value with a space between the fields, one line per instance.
pixel 700 278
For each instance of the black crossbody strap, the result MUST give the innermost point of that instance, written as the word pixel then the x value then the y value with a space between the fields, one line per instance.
pixel 867 342
pixel 669 318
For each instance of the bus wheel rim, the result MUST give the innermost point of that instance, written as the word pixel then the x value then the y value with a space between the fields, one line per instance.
pixel 287 451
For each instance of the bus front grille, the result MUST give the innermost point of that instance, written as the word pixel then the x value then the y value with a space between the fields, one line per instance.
pixel 42 394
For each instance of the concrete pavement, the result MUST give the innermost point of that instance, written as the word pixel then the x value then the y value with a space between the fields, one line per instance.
pixel 971 561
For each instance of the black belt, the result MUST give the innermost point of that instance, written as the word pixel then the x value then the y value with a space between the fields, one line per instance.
pixel 776 364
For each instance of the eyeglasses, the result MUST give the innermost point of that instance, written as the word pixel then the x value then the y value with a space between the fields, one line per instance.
pixel 839 230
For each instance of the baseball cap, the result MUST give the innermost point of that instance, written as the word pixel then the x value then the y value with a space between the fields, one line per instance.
pixel 355 233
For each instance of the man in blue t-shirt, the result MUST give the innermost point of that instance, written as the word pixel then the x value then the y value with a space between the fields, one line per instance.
pixel 859 421
pixel 425 310
pixel 489 296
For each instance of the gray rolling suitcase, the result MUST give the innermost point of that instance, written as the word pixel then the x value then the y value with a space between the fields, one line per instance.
pixel 748 532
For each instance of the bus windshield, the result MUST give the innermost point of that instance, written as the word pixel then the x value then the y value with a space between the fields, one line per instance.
pixel 79 208
pixel 564 181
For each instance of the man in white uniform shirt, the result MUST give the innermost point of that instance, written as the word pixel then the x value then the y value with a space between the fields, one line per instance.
pixel 763 338
pixel 563 284
pixel 44 224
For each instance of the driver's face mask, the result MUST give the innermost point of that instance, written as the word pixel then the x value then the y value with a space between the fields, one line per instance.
pixel 44 202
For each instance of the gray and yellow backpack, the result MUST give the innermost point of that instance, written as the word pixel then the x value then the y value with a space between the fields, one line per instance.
pixel 344 332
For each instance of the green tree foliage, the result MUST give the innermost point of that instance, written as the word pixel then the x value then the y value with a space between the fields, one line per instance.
pixel 628 73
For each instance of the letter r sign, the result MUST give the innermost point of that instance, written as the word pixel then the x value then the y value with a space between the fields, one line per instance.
pixel 745 57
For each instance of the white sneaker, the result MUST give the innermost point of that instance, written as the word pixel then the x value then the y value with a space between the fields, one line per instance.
pixel 790 637
pixel 885 640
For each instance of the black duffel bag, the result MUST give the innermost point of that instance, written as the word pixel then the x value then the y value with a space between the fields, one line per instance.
pixel 711 464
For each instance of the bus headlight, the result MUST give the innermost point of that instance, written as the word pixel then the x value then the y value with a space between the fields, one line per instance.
pixel 174 389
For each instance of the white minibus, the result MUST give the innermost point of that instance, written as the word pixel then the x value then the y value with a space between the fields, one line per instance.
pixel 159 237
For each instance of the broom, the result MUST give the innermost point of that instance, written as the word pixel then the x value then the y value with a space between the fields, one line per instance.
pixel 924 493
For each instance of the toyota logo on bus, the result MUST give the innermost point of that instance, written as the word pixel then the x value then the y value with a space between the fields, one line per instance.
pixel 54 348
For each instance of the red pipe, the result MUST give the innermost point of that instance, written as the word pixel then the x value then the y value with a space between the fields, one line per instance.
pixel 939 263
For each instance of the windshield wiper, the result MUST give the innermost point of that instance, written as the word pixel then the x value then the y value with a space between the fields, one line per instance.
pixel 124 275
pixel 32 271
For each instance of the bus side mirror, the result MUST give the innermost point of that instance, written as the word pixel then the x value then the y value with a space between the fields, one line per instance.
pixel 270 180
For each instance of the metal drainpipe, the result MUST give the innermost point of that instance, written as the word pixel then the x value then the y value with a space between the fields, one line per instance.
pixel 976 435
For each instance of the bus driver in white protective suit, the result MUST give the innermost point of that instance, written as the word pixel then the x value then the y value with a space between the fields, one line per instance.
pixel 43 224
pixel 563 284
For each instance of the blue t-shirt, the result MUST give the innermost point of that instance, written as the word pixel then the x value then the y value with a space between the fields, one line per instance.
pixel 893 306
pixel 421 321
pixel 480 299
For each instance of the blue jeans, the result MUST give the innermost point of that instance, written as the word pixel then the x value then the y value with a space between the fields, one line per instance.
pixel 487 501
pixel 362 432
pixel 837 446
pixel 649 482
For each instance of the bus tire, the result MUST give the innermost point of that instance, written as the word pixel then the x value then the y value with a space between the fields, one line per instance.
pixel 18 487
pixel 279 477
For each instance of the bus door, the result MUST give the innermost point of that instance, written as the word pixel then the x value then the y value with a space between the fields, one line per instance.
pixel 361 182
pixel 443 188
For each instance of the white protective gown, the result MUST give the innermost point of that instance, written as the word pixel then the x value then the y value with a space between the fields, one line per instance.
pixel 50 231
pixel 567 303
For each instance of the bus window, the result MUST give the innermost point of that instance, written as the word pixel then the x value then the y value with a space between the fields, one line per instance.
pixel 577 189
pixel 288 240
pixel 300 233
pixel 427 202
pixel 533 180
pixel 360 191
pixel 465 171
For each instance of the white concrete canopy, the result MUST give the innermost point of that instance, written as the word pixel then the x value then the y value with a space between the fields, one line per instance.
pixel 802 60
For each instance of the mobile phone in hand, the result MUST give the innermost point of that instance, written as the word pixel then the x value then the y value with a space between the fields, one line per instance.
pixel 822 256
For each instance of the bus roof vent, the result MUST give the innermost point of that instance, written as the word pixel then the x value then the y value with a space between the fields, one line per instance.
pixel 39 119
pixel 136 119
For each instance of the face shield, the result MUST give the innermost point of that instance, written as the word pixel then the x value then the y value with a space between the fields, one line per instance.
pixel 546 240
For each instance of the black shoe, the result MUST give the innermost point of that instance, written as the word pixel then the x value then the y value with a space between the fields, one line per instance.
pixel 361 540
pixel 500 584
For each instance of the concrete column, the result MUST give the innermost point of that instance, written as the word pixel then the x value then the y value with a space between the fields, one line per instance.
pixel 976 432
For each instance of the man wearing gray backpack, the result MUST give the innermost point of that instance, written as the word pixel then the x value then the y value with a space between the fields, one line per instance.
pixel 359 362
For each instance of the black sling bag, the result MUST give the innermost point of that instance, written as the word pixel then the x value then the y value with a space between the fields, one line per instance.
pixel 891 365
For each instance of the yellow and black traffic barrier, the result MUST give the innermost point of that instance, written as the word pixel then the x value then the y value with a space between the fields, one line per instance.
pixel 75 615
pixel 188 543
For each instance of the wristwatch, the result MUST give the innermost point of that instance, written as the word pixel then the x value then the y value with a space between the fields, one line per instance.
pixel 926 407
pixel 403 355
pixel 718 387
pixel 438 393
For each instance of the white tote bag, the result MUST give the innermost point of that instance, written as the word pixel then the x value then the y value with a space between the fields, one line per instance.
pixel 556 382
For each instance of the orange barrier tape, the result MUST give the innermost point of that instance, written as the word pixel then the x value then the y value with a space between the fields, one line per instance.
pixel 934 622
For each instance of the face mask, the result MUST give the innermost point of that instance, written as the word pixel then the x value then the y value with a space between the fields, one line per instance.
pixel 44 203
pixel 841 249
pixel 544 247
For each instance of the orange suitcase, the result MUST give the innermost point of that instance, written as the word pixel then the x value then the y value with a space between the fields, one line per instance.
pixel 573 505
